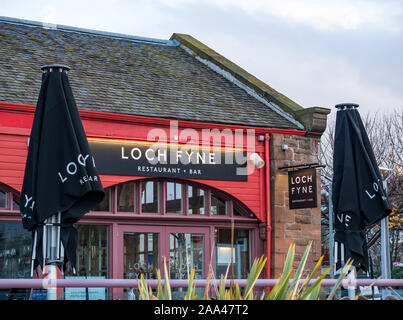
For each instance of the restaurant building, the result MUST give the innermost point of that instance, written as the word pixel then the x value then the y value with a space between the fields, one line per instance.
pixel 187 144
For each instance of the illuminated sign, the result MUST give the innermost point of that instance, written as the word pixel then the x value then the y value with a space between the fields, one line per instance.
pixel 151 159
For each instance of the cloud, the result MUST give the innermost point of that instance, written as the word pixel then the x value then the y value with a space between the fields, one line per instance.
pixel 323 15
pixel 277 41
pixel 313 79
pixel 49 14
pixel 310 77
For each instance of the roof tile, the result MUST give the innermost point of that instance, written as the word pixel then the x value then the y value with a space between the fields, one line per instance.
pixel 120 75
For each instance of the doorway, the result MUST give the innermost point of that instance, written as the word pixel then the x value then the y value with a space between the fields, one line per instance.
pixel 145 248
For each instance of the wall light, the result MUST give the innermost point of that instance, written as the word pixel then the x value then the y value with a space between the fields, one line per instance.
pixel 256 160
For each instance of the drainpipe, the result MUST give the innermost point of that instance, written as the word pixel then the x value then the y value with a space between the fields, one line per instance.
pixel 268 205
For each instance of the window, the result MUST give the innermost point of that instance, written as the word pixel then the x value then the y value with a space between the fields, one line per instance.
pixel 150 192
pixel 218 206
pixel 92 251
pixel 167 197
pixel 3 199
pixel 197 200
pixel 104 205
pixel 174 199
pixel 127 194
pixel 237 212
pixel 16 202
pixel 140 255
pixel 92 262
pixel 9 199
pixel 15 251
pixel 186 253
pixel 238 247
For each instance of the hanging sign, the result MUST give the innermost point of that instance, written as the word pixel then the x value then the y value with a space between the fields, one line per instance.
pixel 302 189
pixel 150 159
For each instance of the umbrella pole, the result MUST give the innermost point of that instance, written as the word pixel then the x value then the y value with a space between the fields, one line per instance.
pixel 352 277
pixel 44 244
pixel 336 244
pixel 342 254
pixel 33 253
pixel 53 257
pixel 331 232
pixel 385 242
pixel 61 257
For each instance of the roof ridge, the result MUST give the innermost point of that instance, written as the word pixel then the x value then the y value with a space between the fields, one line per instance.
pixel 313 119
pixel 242 75
pixel 46 25
pixel 236 75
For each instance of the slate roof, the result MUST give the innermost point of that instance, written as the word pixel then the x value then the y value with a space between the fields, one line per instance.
pixel 126 75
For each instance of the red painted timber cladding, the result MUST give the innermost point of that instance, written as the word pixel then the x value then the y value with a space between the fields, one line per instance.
pixel 15 129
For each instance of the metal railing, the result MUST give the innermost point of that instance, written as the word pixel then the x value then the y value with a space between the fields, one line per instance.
pixel 133 283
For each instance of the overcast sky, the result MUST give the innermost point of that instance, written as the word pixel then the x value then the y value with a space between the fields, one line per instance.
pixel 318 53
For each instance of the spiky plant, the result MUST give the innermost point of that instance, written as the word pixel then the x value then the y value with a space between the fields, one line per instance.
pixel 288 287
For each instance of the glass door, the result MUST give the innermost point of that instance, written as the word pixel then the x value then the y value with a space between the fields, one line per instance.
pixel 187 250
pixel 144 248
pixel 139 254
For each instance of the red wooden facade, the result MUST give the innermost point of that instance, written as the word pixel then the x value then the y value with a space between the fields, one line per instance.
pixel 16 121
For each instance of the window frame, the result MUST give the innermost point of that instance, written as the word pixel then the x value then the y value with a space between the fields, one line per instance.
pixel 230 203
pixel 10 194
pixel 115 219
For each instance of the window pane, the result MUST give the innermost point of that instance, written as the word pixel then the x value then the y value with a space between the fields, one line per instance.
pixel 15 258
pixel 16 202
pixel 104 205
pixel 196 200
pixel 174 197
pixel 237 213
pixel 92 262
pixel 150 196
pixel 3 199
pixel 186 253
pixel 15 251
pixel 240 252
pixel 127 197
pixel 218 206
pixel 140 255
pixel 92 251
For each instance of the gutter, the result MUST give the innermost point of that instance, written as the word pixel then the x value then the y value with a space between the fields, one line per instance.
pixel 268 205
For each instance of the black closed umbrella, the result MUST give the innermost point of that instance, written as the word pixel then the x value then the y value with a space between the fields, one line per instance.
pixel 359 199
pixel 61 182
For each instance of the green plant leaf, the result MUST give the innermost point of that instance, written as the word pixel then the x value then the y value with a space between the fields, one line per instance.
pixel 314 293
pixel 207 288
pixel 298 274
pixel 190 291
pixel 254 274
pixel 281 292
pixel 315 286
pixel 160 291
pixel 167 286
pixel 304 286
pixel 342 275
pixel 273 291
pixel 288 262
pixel 143 288
pixel 238 295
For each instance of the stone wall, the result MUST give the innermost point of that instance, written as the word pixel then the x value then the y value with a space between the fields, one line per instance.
pixel 292 226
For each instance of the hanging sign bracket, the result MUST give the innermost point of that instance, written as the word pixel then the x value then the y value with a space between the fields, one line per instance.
pixel 302 166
